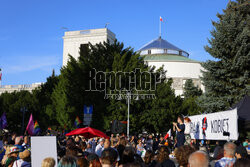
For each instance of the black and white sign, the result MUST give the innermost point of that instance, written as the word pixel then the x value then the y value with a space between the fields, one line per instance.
pixel 212 126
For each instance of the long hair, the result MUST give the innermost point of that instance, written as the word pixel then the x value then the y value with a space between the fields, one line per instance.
pixel 148 157
pixel 163 154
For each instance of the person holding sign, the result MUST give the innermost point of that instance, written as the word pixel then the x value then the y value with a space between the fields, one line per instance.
pixel 180 128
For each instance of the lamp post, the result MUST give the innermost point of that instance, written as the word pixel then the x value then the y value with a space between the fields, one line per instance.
pixel 128 99
pixel 23 110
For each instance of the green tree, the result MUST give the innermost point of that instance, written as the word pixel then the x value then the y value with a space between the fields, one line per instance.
pixel 227 79
pixel 47 115
pixel 12 103
pixel 190 90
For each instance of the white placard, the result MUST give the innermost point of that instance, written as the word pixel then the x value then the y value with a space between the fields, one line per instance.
pixel 41 148
pixel 211 126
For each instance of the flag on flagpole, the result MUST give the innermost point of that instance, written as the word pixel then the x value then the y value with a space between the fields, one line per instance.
pixel 161 19
pixel 168 134
pixel 30 126
pixel 3 121
pixel 77 122
pixel 0 74
pixel 36 128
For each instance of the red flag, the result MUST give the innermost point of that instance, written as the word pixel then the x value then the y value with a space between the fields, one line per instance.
pixel 30 126
pixel 161 19
pixel 168 134
pixel 0 76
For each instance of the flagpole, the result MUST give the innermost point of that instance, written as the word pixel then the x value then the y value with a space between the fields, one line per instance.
pixel 160 28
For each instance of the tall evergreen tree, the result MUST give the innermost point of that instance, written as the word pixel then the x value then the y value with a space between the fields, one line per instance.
pixel 227 79
pixel 190 90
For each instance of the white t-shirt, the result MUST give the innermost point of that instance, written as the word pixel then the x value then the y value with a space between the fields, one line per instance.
pixel 21 163
pixel 187 128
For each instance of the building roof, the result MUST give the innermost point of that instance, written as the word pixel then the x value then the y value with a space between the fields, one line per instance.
pixel 159 43
pixel 168 58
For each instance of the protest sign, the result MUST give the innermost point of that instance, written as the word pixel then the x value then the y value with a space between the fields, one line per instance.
pixel 215 126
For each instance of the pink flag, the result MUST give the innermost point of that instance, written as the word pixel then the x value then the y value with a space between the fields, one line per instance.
pixel 30 126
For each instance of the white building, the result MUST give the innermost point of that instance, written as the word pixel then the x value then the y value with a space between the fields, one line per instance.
pixel 17 88
pixel 72 40
pixel 175 61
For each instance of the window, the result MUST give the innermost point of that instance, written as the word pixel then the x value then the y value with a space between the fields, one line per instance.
pixel 149 52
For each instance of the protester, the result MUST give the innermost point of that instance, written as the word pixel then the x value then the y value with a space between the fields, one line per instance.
pixel 18 144
pixel 99 148
pixel 149 143
pixel 10 156
pixel 228 159
pixel 182 155
pixel 180 128
pixel 240 152
pixel 198 159
pixel 26 143
pixel 82 162
pixel 67 161
pixel 108 157
pixel 163 158
pixel 243 162
pixel 127 156
pixel 83 147
pixel 24 160
pixel 107 144
pixel 187 131
pixel 48 162
pixel 139 148
pixel 245 143
pixel 218 151
pixel 11 140
pixel 93 160
pixel 89 148
pixel 149 159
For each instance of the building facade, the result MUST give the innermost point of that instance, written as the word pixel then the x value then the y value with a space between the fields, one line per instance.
pixel 17 88
pixel 72 40
pixel 175 61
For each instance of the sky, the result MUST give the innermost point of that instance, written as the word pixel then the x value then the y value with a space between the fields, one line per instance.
pixel 31 31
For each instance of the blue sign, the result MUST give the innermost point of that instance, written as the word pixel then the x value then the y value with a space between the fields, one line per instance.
pixel 88 109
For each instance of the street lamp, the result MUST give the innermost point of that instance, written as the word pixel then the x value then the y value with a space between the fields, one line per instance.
pixel 23 110
pixel 128 99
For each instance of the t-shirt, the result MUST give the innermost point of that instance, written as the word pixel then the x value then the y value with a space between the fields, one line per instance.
pixel 187 128
pixel 98 150
pixel 21 163
pixel 225 162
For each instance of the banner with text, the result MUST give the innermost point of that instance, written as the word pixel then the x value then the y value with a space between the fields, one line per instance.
pixel 213 126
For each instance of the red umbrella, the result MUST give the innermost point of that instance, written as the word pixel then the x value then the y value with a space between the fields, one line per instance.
pixel 88 133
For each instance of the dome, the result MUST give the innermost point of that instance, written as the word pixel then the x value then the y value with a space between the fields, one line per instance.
pixel 161 46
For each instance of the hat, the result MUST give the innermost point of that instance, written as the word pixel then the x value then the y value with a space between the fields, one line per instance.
pixel 13 150
pixel 25 154
pixel 100 140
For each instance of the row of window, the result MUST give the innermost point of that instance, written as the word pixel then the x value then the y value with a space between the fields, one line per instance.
pixel 164 51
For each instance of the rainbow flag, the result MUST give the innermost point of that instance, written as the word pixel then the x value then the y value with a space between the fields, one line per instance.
pixel 77 122
pixel 36 128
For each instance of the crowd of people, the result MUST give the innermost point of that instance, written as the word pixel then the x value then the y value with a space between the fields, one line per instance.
pixel 144 150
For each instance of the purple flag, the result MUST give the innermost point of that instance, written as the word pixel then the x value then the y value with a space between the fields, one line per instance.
pixel 3 121
pixel 30 126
